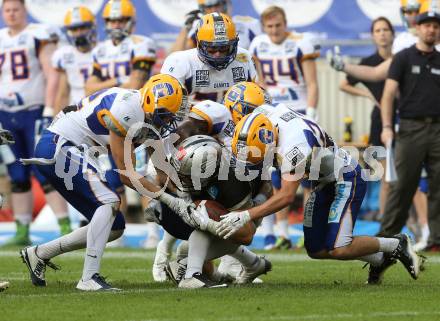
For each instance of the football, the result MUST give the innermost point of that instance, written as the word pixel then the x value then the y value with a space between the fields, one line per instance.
pixel 215 209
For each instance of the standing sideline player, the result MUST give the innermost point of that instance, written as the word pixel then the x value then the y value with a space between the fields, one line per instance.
pixel 27 83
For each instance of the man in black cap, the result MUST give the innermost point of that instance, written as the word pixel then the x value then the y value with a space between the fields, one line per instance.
pixel 415 73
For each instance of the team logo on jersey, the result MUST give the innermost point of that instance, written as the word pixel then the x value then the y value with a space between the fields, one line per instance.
pixel 238 74
pixel 266 136
pixel 229 129
pixel 263 47
pixel 22 40
pixel 288 116
pixel 295 156
pixel 202 78
pixel 69 58
pixel 242 58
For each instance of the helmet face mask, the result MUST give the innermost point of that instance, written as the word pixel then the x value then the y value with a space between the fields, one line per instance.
pixel 80 27
pixel 243 98
pixel 197 155
pixel 208 5
pixel 120 19
pixel 254 138
pixel 217 40
pixel 81 35
pixel 163 97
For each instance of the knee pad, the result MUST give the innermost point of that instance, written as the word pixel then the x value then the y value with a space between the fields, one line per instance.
pixel 20 187
pixel 47 188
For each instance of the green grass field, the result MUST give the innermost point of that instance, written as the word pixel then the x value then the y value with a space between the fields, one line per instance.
pixel 296 289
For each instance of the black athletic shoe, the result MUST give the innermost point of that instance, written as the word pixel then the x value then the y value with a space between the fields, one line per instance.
pixel 407 256
pixel 375 273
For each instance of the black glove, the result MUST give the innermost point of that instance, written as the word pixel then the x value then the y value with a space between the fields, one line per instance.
pixel 6 137
pixel 191 17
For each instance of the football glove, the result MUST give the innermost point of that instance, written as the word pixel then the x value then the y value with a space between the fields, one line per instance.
pixel 335 60
pixel 153 212
pixel 184 209
pixel 6 137
pixel 231 223
pixel 191 17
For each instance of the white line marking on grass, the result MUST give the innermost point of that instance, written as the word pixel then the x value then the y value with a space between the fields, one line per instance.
pixel 275 257
pixel 353 316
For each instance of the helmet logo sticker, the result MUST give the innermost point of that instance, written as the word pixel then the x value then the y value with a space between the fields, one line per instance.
pixel 163 90
pixel 181 153
pixel 265 136
pixel 220 30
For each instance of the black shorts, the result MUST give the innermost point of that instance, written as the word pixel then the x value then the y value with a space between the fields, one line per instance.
pixel 375 128
pixel 174 225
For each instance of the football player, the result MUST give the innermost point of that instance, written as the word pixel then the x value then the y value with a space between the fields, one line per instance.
pixel 247 27
pixel 110 119
pixel 300 147
pixel 27 84
pixel 288 67
pixel 74 62
pixel 195 153
pixel 123 60
pixel 216 64
pixel 207 72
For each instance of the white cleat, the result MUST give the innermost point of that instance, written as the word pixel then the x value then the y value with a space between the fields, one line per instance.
pixel 96 283
pixel 198 281
pixel 248 275
pixel 230 266
pixel 35 265
pixel 3 285
pixel 176 270
pixel 160 262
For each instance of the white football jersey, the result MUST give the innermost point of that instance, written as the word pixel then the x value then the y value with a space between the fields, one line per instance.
pixel 247 29
pixel 281 67
pixel 114 109
pixel 78 67
pixel 304 146
pixel 204 81
pixel 218 117
pixel 20 70
pixel 116 61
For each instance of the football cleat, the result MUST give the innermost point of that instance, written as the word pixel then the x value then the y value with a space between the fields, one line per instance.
pixel 269 242
pixel 96 283
pixel 198 281
pixel 21 237
pixel 283 243
pixel 3 285
pixel 406 255
pixel 248 275
pixel 36 266
pixel 175 270
pixel 375 273
pixel 160 262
